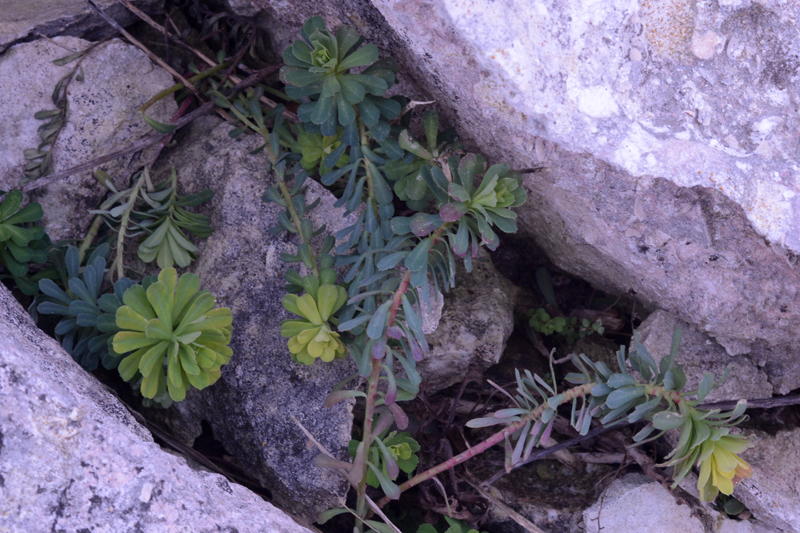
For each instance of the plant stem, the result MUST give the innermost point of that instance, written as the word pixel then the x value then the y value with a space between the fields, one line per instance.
pixel 398 297
pixel 575 392
pixel 372 394
pixel 123 224
pixel 90 235
pixel 366 438
pixel 292 211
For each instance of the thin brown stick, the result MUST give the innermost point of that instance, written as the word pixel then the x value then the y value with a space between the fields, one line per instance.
pixel 113 23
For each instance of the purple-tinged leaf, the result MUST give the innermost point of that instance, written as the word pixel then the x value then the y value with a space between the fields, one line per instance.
pixel 339 395
pixel 356 473
pixel 391 390
pixel 452 211
pixel 379 348
pixel 394 332
pixel 423 224
pixel 392 469
pixel 416 351
pixel 400 416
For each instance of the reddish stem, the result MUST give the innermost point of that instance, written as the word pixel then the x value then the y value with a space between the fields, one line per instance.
pixel 491 441
pixel 398 296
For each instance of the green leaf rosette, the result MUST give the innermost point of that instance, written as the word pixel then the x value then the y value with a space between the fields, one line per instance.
pixel 313 338
pixel 176 335
pixel 318 67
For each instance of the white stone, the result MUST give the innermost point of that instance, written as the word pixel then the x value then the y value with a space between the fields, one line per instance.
pixel 99 470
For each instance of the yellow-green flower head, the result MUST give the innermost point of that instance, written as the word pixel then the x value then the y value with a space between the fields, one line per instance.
pixel 313 337
pixel 400 451
pixel 172 324
pixel 721 467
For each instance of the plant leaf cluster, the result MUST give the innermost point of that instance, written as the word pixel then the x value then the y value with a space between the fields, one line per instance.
pixel 653 394
pixel 89 320
pixel 541 322
pixel 319 67
pixel 173 334
pixel 156 216
pixel 389 454
pixel 20 241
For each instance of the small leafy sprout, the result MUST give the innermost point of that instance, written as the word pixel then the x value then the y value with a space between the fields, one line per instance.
pixel 489 204
pixel 318 66
pixel 89 320
pixel 20 243
pixel 176 335
pixel 313 337
pixel 165 220
pixel 315 148
pixel 541 322
pixel 390 455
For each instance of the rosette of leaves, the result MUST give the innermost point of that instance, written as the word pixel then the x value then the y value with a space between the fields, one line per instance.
pixel 313 337
pixel 318 67
pixel 174 335
pixel 315 149
pixel 489 204
pixel 389 455
pixel 20 242
pixel 409 184
pixel 89 319
pixel 166 220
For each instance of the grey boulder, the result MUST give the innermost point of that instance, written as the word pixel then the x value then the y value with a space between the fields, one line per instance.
pixel 249 408
pixel 73 459
pixel 103 118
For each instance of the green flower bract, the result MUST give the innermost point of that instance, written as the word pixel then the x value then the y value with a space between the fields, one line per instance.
pixel 177 336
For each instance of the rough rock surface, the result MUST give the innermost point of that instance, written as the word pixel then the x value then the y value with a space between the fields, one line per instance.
pixel 24 20
pixel 667 129
pixel 476 320
pixel 249 408
pixel 698 354
pixel 73 459
pixel 636 504
pixel 773 493
pixel 103 118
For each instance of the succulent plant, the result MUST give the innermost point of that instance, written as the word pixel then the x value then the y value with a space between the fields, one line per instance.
pixel 89 318
pixel 177 336
pixel 167 220
pixel 316 148
pixel 313 337
pixel 489 204
pixel 318 66
pixel 20 244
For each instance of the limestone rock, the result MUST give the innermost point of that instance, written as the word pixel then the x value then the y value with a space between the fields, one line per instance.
pixel 698 354
pixel 24 20
pixel 773 493
pixel 249 408
pixel 636 504
pixel 477 318
pixel 667 131
pixel 103 118
pixel 73 459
